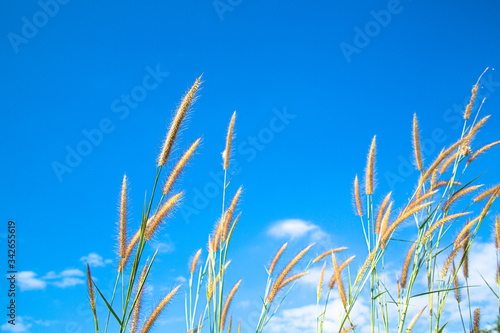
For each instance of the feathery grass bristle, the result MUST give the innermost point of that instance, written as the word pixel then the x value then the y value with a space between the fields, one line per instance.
pixel 416 144
pixel 138 304
pixel 229 139
pixel 281 277
pixel 357 197
pixel 176 123
pixel 194 262
pixel 122 239
pixel 228 302
pixel 179 167
pixel 381 212
pixel 468 109
pixel 159 308
pixel 276 258
pixel 370 165
pixel 324 254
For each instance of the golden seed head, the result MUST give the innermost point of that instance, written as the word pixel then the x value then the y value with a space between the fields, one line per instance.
pixel 277 284
pixel 292 278
pixel 341 268
pixel 480 151
pixel 158 218
pixel 123 219
pixel 338 278
pixel 229 139
pixel 195 261
pixel 176 123
pixel 468 109
pixel 370 168
pixel 456 286
pixel 385 220
pixel 138 304
pixel 179 167
pixel 320 285
pixel 228 302
pixel 406 265
pixel 276 258
pixel 156 312
pixel 91 290
pixel 327 253
pixel 381 212
pixel 357 198
pixel 460 193
pixel 497 233
pixel 477 317
pixel 416 144
pixel 486 193
pixel 228 215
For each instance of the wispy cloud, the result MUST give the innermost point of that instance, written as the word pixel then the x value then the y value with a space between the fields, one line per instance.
pixel 303 319
pixel 296 228
pixel 28 281
pixel 20 327
pixel 95 260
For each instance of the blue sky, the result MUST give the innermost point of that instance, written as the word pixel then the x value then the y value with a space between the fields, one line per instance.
pixel 311 84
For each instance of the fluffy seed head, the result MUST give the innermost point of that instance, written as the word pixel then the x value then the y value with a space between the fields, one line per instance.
pixel 156 312
pixel 477 317
pixel 456 286
pixel 228 302
pixel 458 195
pixel 324 254
pixel 156 220
pixel 195 261
pixel 416 144
pixel 138 304
pixel 281 277
pixel 481 151
pixel 229 139
pixel 469 106
pixel 486 193
pixel 338 278
pixel 370 167
pixel 176 123
pixel 179 167
pixel 341 268
pixel 406 265
pixel 357 198
pixel 276 258
pixel 320 285
pixel 381 212
pixel 497 233
pixel 91 290
pixel 228 216
pixel 123 219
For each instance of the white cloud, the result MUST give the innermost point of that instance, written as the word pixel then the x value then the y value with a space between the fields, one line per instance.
pixel 180 279
pixel 28 281
pixel 303 319
pixel 296 228
pixel 20 326
pixel 163 247
pixel 72 272
pixel 95 260
pixel 68 282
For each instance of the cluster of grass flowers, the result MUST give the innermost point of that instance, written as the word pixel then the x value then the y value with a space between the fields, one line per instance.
pixel 444 232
